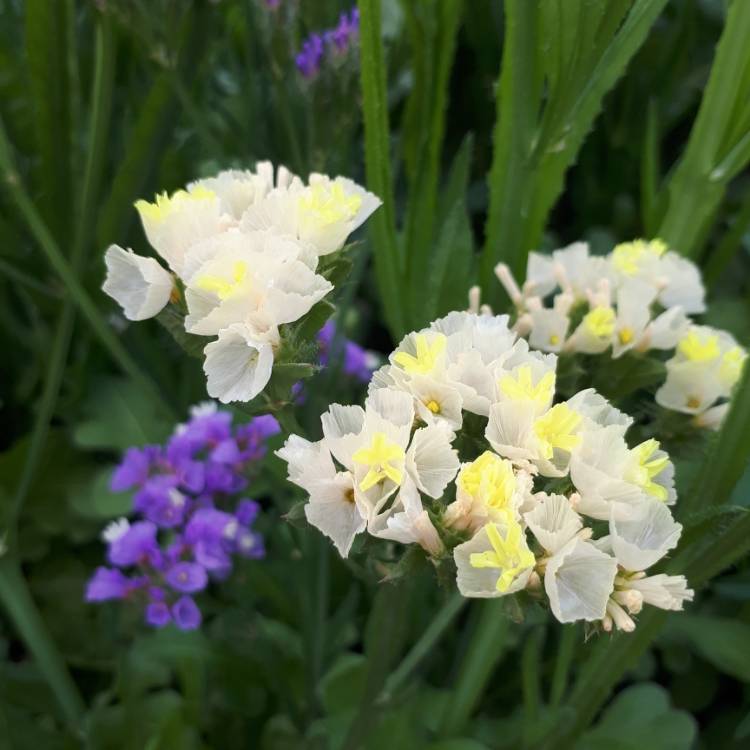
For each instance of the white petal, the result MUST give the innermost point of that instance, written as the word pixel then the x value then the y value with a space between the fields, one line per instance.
pixel 308 463
pixel 644 535
pixel 237 366
pixel 431 460
pixel 509 430
pixel 341 428
pixel 173 224
pixel 482 582
pixel 578 581
pixel 663 591
pixel 332 511
pixel 140 285
pixel 553 521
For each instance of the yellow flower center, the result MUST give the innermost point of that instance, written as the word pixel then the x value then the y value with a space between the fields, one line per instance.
pixel 164 204
pixel 628 256
pixel 554 339
pixel 380 457
pixel 646 468
pixel 600 322
pixel 221 286
pixel 699 348
pixel 433 406
pixel 490 480
pixel 509 554
pixel 329 204
pixel 625 335
pixel 522 388
pixel 426 357
pixel 555 430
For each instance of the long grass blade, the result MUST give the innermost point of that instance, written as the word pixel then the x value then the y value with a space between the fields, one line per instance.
pixel 388 263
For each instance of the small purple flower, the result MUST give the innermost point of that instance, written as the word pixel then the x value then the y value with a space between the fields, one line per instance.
pixel 187 577
pixel 246 512
pixel 186 614
pixel 105 584
pixel 133 545
pixel 309 57
pixel 158 614
pixel 134 468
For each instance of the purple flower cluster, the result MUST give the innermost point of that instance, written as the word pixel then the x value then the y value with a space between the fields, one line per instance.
pixel 357 362
pixel 336 41
pixel 185 534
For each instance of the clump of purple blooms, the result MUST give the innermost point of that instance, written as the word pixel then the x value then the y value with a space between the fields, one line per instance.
pixel 190 523
pixel 335 41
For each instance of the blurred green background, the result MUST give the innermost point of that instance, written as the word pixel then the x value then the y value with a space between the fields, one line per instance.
pixel 104 102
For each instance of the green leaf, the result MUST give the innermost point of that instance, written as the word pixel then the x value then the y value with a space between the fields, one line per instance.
pixel 341 688
pixel 47 26
pixel 93 499
pixel 719 143
pixel 729 455
pixel 118 415
pixel 641 717
pixel 720 640
pixel 584 53
pixel 388 262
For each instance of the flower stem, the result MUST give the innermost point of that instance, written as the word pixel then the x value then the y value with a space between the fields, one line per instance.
pixel 486 648
pixel 431 636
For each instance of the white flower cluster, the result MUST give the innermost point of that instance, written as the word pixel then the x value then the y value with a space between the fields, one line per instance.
pixel 244 248
pixel 393 469
pixel 636 298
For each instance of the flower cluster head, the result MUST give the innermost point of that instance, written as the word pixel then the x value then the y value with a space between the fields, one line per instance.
pixel 636 298
pixel 243 250
pixel 191 518
pixel 462 448
pixel 334 42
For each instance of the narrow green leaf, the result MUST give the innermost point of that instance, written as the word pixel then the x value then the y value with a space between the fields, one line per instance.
pixel 729 455
pixel 46 29
pixel 698 183
pixel 727 248
pixel 650 169
pixel 388 265
pixel 22 611
pixel 531 154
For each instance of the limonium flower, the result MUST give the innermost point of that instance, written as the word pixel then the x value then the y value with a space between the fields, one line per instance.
pixel 635 299
pixel 333 43
pixel 243 250
pixel 464 448
pixel 190 516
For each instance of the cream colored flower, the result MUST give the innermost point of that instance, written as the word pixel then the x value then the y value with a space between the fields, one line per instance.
pixel 139 285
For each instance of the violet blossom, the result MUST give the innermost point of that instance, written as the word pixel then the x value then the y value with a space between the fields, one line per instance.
pixel 189 526
pixel 331 42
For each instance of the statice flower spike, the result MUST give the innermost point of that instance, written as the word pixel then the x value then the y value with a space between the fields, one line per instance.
pixel 490 494
pixel 190 525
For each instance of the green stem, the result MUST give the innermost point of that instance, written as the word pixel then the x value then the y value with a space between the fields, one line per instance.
pixel 386 630
pixel 428 640
pixel 486 648
pixel 563 661
pixel 530 683
pixel 29 625
pixel 21 277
